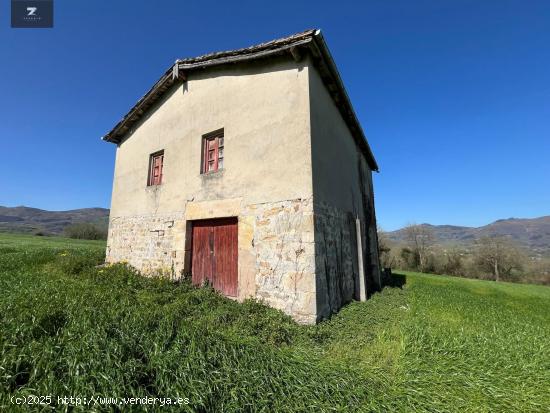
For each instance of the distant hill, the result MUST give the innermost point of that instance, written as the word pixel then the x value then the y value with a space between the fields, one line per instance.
pixel 532 233
pixel 33 220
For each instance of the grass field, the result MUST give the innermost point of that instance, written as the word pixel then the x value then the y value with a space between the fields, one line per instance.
pixel 438 344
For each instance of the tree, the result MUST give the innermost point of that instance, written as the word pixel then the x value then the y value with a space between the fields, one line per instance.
pixel 453 264
pixel 384 250
pixel 498 256
pixel 408 260
pixel 420 239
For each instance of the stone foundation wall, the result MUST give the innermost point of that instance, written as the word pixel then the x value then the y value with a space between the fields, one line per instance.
pixel 276 249
pixel 150 243
pixel 335 258
pixel 285 256
pixel 295 256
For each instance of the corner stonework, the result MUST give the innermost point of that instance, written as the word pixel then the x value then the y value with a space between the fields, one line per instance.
pixel 285 256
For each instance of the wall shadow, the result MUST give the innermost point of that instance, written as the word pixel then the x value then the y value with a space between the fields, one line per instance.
pixel 390 279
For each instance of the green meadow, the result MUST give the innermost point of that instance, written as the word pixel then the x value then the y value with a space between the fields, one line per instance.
pixel 436 344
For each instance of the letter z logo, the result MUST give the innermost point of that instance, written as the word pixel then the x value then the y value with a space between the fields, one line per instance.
pixel 31 14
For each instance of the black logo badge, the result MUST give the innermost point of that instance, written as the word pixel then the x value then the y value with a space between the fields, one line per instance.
pixel 32 13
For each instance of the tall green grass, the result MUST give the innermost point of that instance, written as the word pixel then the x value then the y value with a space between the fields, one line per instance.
pixel 481 345
pixel 439 344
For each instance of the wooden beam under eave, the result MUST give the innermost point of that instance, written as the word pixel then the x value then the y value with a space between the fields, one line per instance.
pixel 178 74
pixel 296 53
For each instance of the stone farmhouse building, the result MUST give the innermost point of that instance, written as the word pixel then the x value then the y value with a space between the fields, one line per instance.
pixel 248 169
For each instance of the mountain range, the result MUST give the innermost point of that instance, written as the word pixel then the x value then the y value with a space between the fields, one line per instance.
pixel 530 233
pixel 34 220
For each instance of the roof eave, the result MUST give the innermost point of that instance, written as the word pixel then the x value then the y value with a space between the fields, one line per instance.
pixel 312 40
pixel 122 127
pixel 177 70
pixel 345 105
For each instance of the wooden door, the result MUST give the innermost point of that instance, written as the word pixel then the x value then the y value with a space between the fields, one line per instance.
pixel 214 255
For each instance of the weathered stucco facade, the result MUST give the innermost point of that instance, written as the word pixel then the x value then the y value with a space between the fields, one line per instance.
pixel 293 175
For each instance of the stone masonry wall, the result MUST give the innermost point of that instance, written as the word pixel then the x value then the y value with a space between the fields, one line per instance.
pixel 281 247
pixel 149 243
pixel 335 258
pixel 285 256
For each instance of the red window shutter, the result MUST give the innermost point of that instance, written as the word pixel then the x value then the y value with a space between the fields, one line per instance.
pixel 158 169
pixel 206 146
pixel 161 166
pixel 210 163
pixel 214 151
pixel 155 173
pixel 155 170
pixel 212 154
pixel 219 154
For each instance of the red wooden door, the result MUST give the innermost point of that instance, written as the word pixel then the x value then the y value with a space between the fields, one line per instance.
pixel 214 256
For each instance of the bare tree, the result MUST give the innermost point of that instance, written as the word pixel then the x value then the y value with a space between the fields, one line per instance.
pixel 420 239
pixel 384 250
pixel 453 261
pixel 498 256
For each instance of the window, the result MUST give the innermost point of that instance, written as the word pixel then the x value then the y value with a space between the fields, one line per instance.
pixel 155 168
pixel 212 152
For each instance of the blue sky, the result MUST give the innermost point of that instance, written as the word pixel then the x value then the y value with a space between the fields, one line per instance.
pixel 454 95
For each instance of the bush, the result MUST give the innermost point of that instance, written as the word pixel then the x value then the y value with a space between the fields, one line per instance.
pixel 85 230
pixel 75 263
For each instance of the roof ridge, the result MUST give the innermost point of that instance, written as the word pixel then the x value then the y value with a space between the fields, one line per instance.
pixel 309 41
pixel 256 47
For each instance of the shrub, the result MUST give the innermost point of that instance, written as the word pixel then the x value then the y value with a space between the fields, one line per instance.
pixel 85 230
pixel 74 263
pixel 409 258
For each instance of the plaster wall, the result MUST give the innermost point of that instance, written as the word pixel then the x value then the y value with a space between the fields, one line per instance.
pixel 266 181
pixel 342 192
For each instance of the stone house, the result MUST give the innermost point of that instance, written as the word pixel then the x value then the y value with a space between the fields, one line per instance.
pixel 248 169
